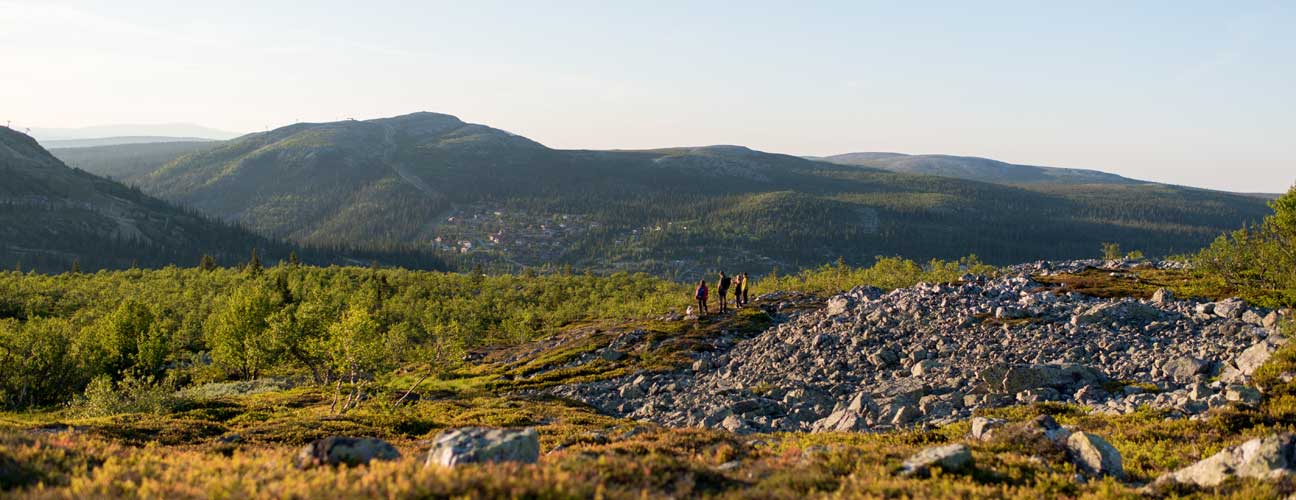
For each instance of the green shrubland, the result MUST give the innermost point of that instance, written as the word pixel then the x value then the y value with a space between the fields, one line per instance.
pixel 1258 261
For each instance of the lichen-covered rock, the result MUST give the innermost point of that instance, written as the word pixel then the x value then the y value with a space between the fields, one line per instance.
pixel 1269 458
pixel 983 428
pixel 1185 369
pixel 479 445
pixel 950 458
pixel 338 450
pixel 1094 456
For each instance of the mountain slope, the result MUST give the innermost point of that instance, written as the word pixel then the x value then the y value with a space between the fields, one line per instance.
pixel 490 196
pixel 43 134
pixel 52 215
pixel 127 162
pixel 977 169
pixel 116 141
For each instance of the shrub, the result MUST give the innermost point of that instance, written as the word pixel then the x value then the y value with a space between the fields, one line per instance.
pixel 1260 261
pixel 103 397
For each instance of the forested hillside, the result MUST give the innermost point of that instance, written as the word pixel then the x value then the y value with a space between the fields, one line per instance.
pixel 978 169
pixel 54 218
pixel 497 199
pixel 126 163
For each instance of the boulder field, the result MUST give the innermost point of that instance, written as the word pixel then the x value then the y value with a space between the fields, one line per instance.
pixel 933 353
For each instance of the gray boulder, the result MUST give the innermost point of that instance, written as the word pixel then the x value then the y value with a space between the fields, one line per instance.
pixel 1162 297
pixel 884 357
pixel 1270 320
pixel 1094 456
pixel 1257 355
pixel 950 458
pixel 338 450
pixel 1017 378
pixel 983 428
pixel 839 305
pixel 924 367
pixel 480 445
pixel 1230 308
pixel 1268 458
pixel 1242 394
pixel 1184 369
pixel 1117 312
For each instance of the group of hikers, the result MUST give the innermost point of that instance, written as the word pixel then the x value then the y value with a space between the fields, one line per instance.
pixel 739 284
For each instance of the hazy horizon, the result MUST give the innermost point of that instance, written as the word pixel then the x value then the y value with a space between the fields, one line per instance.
pixel 1191 94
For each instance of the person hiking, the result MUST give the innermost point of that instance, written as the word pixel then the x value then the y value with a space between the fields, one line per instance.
pixel 701 296
pixel 746 286
pixel 737 290
pixel 723 288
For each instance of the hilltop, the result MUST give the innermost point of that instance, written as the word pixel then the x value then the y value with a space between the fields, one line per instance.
pixel 481 195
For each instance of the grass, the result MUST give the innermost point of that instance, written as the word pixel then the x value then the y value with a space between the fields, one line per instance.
pixel 1138 283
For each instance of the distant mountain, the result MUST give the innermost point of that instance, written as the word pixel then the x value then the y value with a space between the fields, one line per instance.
pixel 52 216
pixel 128 162
pixel 977 169
pixel 114 141
pixel 489 196
pixel 100 132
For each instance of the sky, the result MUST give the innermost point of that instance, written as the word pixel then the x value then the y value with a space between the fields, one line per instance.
pixel 1194 93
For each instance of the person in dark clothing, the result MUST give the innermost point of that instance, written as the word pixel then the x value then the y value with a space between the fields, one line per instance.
pixel 701 296
pixel 723 288
pixel 746 284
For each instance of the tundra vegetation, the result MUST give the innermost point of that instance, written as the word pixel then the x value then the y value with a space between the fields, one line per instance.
pixel 203 382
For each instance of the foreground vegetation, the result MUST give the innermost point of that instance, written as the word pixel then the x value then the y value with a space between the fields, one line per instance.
pixel 236 440
pixel 204 382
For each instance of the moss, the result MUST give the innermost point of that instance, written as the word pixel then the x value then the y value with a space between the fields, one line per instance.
pixel 1137 283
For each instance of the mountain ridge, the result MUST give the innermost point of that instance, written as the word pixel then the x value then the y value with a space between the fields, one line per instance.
pixel 488 196
pixel 978 169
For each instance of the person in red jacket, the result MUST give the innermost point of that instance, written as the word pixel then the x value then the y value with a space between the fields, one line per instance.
pixel 701 296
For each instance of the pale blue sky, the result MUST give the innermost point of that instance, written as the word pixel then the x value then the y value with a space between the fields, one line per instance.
pixel 1197 93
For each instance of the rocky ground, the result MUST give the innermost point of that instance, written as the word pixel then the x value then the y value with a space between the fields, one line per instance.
pixel 934 353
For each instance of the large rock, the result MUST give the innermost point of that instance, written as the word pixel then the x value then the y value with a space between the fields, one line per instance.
pixel 1268 458
pixel 983 428
pixel 851 417
pixel 338 450
pixel 1270 321
pixel 884 357
pixel 1238 393
pixel 924 367
pixel 1184 369
pixel 1230 308
pixel 839 305
pixel 1012 379
pixel 478 445
pixel 950 458
pixel 1094 456
pixel 1117 312
pixel 1162 297
pixel 1257 355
